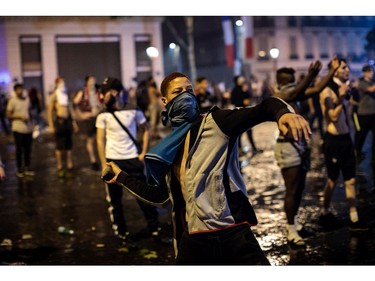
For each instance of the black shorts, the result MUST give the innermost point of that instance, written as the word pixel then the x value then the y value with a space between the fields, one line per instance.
pixel 339 156
pixel 87 127
pixel 64 133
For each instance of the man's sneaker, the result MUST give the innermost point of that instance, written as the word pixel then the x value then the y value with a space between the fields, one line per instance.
pixel 127 241
pixel 29 172
pixel 296 242
pixel 147 233
pixel 330 222
pixel 61 173
pixel 69 173
pixel 20 174
pixel 358 226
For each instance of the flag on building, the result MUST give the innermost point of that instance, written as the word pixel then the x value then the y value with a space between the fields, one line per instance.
pixel 228 40
pixel 249 34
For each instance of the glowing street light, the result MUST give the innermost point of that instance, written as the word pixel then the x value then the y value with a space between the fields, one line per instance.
pixel 239 23
pixel 172 46
pixel 274 52
pixel 152 52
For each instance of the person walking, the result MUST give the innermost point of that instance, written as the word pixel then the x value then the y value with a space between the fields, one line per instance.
pixel 116 128
pixel 18 111
pixel 196 169
pixel 86 106
pixel 366 116
pixel 62 124
pixel 241 97
pixel 293 157
pixel 338 149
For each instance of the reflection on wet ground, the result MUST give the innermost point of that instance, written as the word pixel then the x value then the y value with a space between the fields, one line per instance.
pixel 32 209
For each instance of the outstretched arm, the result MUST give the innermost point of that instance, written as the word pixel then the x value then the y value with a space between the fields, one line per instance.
pixel 303 85
pixel 316 89
pixel 156 195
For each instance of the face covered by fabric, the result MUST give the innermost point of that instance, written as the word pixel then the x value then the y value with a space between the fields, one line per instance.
pixel 183 108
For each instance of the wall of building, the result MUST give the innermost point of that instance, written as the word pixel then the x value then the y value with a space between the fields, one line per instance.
pixel 49 27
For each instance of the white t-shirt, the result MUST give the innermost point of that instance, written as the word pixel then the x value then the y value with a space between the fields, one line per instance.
pixel 20 107
pixel 119 146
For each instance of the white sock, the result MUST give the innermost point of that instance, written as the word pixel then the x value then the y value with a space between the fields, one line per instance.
pixel 353 216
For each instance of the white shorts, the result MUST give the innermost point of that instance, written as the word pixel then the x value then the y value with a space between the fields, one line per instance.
pixel 286 154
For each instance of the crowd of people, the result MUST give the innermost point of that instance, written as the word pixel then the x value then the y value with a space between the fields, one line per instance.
pixel 211 213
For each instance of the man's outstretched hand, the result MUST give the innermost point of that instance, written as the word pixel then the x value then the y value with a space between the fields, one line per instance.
pixel 295 125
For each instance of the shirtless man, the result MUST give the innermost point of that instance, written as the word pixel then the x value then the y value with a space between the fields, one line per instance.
pixel 338 148
pixel 62 124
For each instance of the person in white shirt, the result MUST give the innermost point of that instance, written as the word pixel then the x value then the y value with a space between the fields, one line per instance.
pixel 18 111
pixel 115 144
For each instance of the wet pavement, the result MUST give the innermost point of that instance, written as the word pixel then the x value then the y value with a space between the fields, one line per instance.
pixel 33 208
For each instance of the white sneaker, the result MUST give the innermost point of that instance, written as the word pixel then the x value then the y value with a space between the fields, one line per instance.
pixel 294 240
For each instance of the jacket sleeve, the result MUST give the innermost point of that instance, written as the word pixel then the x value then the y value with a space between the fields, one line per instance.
pixel 156 195
pixel 234 122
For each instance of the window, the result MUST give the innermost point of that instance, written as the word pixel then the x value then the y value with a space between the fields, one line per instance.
pixel 79 55
pixel 263 48
pixel 143 61
pixel 337 42
pixel 323 45
pixel 309 46
pixel 293 48
pixel 31 63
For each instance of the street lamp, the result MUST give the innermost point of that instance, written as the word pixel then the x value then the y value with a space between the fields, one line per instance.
pixel 175 55
pixel 152 52
pixel 274 52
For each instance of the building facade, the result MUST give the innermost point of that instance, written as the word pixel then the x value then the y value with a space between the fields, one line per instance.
pixel 35 50
pixel 300 41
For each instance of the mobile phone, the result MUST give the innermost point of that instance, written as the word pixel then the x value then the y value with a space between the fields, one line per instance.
pixel 107 174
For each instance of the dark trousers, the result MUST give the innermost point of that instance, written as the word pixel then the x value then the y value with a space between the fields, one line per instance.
pixel 114 196
pixel 367 124
pixel 232 246
pixel 23 149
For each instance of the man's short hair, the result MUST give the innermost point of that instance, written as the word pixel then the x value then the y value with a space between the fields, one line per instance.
pixel 285 75
pixel 17 85
pixel 110 83
pixel 165 84
pixel 200 79
pixel 340 61
pixel 367 68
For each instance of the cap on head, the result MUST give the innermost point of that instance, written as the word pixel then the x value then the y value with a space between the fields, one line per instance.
pixel 111 83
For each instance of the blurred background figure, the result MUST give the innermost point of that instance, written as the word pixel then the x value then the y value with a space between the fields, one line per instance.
pixel 241 97
pixel 62 125
pixel 18 111
pixel 3 106
pixel 206 99
pixel 86 107
pixel 155 108
pixel 35 111
pixel 366 115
